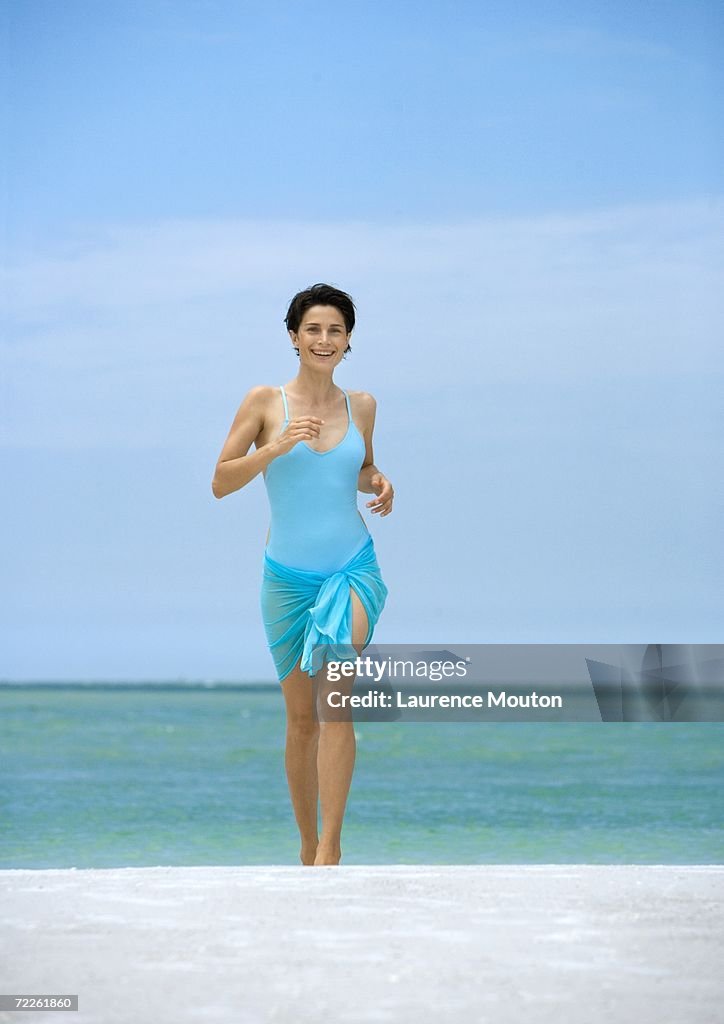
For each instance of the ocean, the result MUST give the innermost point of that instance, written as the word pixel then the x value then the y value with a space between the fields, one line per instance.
pixel 100 776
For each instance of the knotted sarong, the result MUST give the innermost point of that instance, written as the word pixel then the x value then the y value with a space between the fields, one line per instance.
pixel 302 610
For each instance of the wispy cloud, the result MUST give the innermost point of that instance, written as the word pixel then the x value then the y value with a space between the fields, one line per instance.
pixel 186 260
pixel 622 291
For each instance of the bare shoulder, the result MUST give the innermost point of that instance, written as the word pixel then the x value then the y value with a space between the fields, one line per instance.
pixel 365 406
pixel 253 410
pixel 364 401
pixel 261 392
pixel 258 398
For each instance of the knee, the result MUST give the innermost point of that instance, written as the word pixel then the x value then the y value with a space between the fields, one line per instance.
pixel 303 726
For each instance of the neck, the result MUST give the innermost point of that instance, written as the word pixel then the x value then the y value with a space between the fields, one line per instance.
pixel 317 387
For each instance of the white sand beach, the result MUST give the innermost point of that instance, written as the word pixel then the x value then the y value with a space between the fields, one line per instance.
pixel 544 943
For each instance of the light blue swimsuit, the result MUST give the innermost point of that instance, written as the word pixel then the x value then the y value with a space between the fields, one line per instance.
pixel 319 547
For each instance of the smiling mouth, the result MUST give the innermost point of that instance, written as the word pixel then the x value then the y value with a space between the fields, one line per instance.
pixel 324 355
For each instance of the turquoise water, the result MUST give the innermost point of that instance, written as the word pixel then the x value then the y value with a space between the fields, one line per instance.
pixel 114 776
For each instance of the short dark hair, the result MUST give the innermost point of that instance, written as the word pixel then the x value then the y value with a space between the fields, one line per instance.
pixel 320 295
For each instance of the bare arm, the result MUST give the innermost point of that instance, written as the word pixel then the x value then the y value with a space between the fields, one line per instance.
pixel 371 480
pixel 369 406
pixel 234 468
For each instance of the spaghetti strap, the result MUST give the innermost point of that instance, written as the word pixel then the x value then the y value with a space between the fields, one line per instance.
pixel 286 407
pixel 349 411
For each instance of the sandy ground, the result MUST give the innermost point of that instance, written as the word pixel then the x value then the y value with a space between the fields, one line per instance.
pixel 543 943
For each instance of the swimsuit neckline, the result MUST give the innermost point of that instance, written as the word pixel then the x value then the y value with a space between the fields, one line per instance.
pixel 328 450
pixel 350 424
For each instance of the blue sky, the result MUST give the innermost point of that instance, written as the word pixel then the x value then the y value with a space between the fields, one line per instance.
pixel 367 110
pixel 526 203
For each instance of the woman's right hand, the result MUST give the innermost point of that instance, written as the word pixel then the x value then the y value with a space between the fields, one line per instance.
pixel 301 428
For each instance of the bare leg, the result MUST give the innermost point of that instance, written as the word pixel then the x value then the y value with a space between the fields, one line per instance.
pixel 301 757
pixel 336 754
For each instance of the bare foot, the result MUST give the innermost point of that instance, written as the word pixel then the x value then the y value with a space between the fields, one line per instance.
pixel 327 855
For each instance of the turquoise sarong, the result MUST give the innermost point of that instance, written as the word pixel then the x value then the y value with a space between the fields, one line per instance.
pixel 302 610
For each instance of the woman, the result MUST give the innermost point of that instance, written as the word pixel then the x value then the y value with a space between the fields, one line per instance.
pixel 322 591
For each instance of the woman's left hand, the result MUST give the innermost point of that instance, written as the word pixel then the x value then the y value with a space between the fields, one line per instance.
pixel 385 494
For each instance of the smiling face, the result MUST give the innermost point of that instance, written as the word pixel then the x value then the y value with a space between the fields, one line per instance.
pixel 322 336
